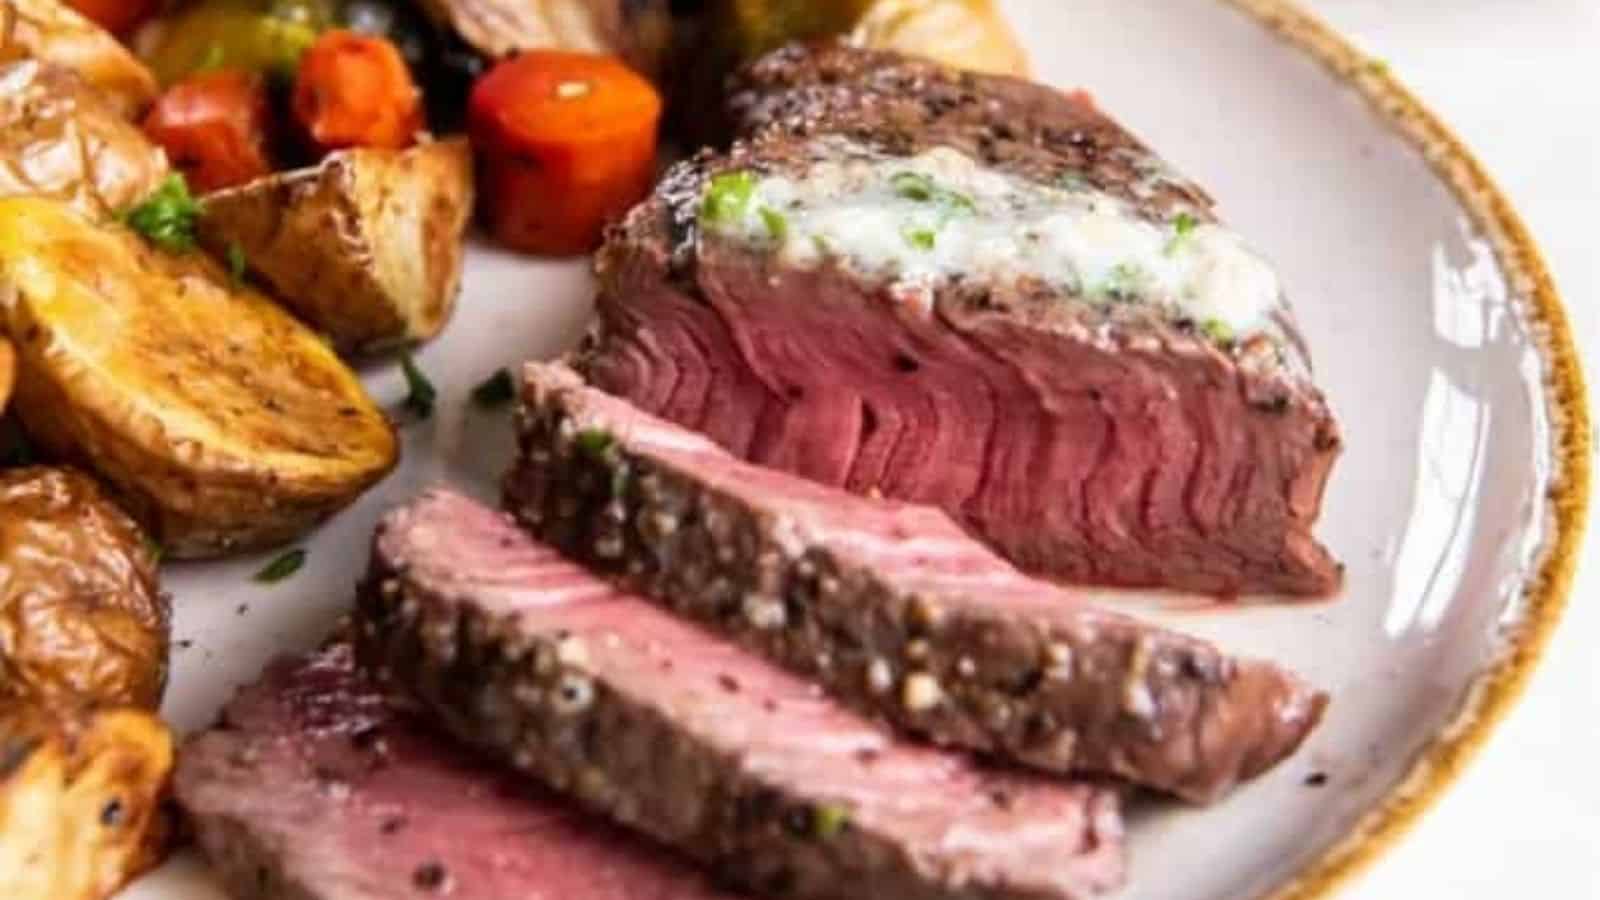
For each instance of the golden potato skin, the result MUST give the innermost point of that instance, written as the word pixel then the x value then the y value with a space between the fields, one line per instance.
pixel 81 614
pixel 59 137
pixel 220 422
pixel 639 31
pixel 83 800
pixel 365 248
pixel 965 34
pixel 54 32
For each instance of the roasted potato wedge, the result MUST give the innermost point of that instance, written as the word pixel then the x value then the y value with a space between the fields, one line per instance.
pixel 639 31
pixel 59 137
pixel 966 34
pixel 365 247
pixel 221 422
pixel 8 372
pixel 81 616
pixel 83 800
pixel 52 31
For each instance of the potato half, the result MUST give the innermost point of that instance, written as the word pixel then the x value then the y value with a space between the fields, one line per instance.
pixel 54 32
pixel 62 138
pixel 365 247
pixel 81 613
pixel 83 800
pixel 966 34
pixel 222 423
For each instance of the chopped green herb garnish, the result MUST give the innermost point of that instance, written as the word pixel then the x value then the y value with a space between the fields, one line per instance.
pixel 777 225
pixel 167 217
pixel 912 186
pixel 1377 66
pixel 154 549
pixel 282 567
pixel 236 262
pixel 922 189
pixel 1217 330
pixel 1182 226
pixel 594 441
pixel 1124 281
pixel 920 238
pixel 496 390
pixel 728 197
pixel 823 243
pixel 421 394
pixel 828 820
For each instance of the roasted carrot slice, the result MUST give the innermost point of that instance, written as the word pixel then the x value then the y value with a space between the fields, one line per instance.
pixel 566 142
pixel 354 90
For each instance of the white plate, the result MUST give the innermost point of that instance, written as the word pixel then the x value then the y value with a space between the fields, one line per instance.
pixel 1436 334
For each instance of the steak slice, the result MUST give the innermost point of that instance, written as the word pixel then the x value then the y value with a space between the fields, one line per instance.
pixel 891 606
pixel 688 739
pixel 980 294
pixel 316 786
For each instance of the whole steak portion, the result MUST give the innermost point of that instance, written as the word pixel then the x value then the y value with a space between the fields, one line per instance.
pixel 685 738
pixel 316 786
pixel 980 294
pixel 891 606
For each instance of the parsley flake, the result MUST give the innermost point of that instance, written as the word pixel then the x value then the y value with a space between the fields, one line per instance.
pixel 167 217
pixel 495 391
pixel 236 263
pixel 421 394
pixel 282 567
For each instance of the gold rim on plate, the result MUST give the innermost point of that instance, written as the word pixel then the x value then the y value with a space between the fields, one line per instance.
pixel 1495 690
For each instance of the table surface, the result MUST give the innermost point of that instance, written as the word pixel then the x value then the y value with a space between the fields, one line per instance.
pixel 1520 82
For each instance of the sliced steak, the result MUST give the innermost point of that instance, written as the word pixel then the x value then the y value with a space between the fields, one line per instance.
pixel 315 786
pixel 686 738
pixel 892 606
pixel 980 294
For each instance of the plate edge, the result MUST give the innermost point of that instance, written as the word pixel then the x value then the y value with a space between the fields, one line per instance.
pixel 1496 690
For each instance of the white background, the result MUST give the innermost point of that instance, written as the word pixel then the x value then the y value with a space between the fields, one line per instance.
pixel 1519 80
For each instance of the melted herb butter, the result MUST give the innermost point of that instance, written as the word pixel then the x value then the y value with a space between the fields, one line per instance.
pixel 927 217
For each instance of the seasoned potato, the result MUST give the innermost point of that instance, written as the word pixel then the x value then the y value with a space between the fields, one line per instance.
pixel 366 247
pixel 60 138
pixel 53 32
pixel 966 34
pixel 639 31
pixel 222 423
pixel 83 799
pixel 81 616
pixel 8 372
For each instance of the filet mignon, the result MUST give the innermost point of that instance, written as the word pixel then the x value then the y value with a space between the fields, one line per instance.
pixel 891 606
pixel 981 294
pixel 688 739
pixel 318 786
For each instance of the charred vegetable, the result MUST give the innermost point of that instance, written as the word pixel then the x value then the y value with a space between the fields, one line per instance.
pixel 81 616
pixel 216 127
pixel 566 142
pixel 83 799
pixel 48 30
pixel 60 137
pixel 221 422
pixel 366 247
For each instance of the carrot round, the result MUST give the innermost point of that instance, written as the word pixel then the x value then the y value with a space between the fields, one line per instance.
pixel 566 142
pixel 354 90
pixel 214 127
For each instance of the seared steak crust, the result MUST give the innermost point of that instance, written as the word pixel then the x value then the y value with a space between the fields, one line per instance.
pixel 685 738
pixel 1113 444
pixel 883 602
